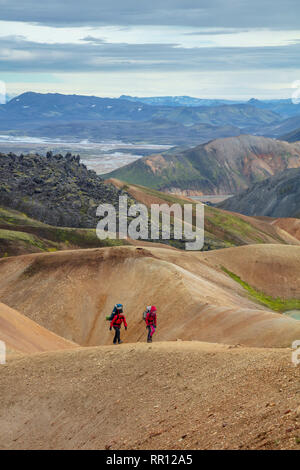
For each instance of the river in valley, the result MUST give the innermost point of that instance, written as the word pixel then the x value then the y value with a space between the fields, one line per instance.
pixel 101 157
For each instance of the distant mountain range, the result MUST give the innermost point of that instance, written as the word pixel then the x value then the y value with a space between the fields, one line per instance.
pixel 95 118
pixel 285 107
pixel 177 101
pixel 279 129
pixel 277 196
pixel 37 108
pixel 222 166
pixel 179 120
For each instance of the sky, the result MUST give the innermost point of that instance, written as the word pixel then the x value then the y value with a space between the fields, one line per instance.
pixel 232 49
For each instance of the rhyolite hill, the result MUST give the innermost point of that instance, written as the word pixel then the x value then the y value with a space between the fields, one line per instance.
pixel 221 166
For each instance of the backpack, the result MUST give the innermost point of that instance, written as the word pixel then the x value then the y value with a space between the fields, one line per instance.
pixel 145 313
pixel 151 318
pixel 118 308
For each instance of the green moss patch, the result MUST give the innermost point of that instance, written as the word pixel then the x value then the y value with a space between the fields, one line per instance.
pixel 11 217
pixel 27 238
pixel 277 304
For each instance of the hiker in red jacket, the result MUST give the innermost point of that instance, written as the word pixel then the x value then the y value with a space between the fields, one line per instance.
pixel 151 323
pixel 116 323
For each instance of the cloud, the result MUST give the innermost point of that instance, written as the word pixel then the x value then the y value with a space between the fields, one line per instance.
pixel 108 42
pixel 217 31
pixel 93 40
pixel 19 54
pixel 275 14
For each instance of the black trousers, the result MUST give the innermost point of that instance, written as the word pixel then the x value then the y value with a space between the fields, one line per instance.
pixel 117 338
pixel 149 337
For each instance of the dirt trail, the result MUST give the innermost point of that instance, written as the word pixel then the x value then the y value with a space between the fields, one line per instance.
pixel 70 292
pixel 181 395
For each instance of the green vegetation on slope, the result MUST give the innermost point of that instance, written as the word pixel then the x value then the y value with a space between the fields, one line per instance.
pixel 276 304
pixel 222 229
pixel 235 228
pixel 19 234
pixel 211 241
pixel 177 171
pixel 11 235
pixel 12 217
